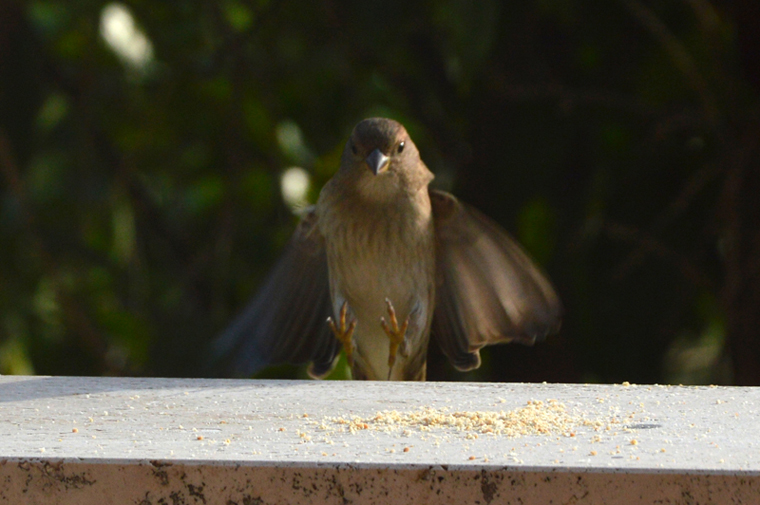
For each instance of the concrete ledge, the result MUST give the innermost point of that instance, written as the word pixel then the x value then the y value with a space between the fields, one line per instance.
pixel 155 441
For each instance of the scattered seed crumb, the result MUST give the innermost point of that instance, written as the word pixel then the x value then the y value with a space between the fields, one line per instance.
pixel 75 430
pixel 199 437
pixel 634 441
pixel 592 453
pixel 281 429
pixel 626 383
pixel 536 418
pixel 406 449
pixel 471 458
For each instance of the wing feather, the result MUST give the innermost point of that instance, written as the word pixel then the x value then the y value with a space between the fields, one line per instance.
pixel 489 291
pixel 286 321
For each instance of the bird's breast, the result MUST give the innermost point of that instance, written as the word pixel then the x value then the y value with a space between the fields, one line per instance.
pixel 385 256
pixel 372 258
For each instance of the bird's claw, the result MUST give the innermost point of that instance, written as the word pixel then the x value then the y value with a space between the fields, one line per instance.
pixel 396 334
pixel 344 333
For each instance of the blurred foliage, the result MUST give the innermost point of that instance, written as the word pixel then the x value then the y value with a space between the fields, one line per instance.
pixel 140 202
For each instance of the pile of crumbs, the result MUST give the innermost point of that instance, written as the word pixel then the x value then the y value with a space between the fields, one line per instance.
pixel 536 418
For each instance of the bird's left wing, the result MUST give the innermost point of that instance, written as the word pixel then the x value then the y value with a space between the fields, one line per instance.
pixel 488 290
pixel 286 321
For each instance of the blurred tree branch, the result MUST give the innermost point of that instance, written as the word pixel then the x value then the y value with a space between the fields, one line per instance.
pixel 89 336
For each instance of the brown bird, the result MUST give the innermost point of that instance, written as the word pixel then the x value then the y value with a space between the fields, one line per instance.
pixel 381 262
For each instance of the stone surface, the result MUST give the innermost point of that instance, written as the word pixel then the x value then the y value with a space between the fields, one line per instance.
pixel 119 440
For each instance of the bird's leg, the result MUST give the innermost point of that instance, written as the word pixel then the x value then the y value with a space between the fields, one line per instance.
pixel 344 333
pixel 396 334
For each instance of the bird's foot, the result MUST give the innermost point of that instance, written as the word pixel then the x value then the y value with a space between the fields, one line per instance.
pixel 344 333
pixel 396 334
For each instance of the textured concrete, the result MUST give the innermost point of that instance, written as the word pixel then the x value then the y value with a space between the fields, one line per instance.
pixel 163 441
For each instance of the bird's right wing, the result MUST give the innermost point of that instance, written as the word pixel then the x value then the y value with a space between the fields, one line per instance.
pixel 286 321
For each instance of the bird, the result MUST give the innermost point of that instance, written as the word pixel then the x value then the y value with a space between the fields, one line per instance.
pixel 381 263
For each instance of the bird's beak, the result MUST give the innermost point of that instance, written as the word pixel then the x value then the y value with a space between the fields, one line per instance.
pixel 377 161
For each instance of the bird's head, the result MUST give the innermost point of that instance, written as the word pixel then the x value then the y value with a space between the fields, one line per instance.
pixel 381 154
pixel 380 145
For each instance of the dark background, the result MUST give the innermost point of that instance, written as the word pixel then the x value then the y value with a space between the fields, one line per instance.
pixel 140 201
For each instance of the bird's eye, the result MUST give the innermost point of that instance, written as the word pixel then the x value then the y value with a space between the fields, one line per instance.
pixel 353 147
pixel 400 146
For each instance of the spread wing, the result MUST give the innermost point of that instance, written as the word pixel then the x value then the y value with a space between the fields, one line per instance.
pixel 488 291
pixel 286 321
